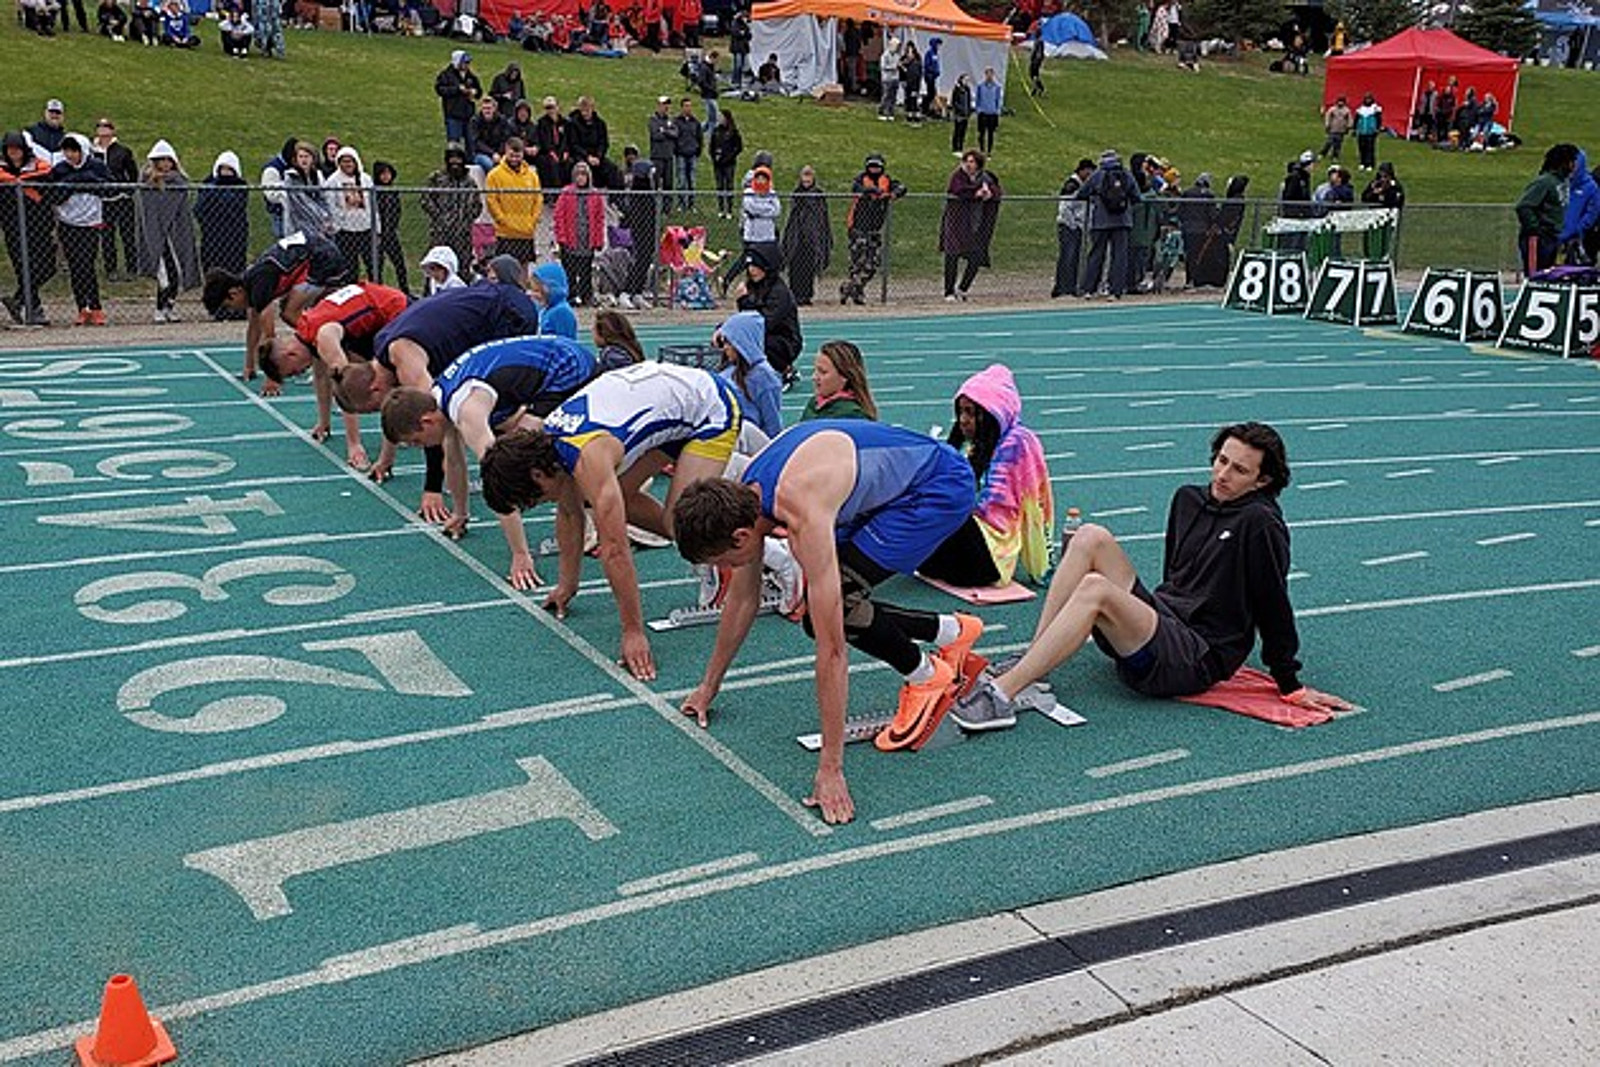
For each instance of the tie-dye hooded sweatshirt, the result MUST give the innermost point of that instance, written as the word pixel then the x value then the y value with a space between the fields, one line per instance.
pixel 1016 510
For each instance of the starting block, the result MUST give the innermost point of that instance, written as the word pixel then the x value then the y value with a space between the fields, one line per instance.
pixel 706 357
pixel 684 618
pixel 1037 697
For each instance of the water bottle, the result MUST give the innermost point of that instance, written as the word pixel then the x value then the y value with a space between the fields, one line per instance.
pixel 1069 526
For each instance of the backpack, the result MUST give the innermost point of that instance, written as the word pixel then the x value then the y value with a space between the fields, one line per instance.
pixel 1114 191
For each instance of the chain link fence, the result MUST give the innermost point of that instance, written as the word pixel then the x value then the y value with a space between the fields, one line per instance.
pixel 666 251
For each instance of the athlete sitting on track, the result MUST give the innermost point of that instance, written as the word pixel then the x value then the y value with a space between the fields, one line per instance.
pixel 1225 577
pixel 861 502
pixel 598 448
pixel 494 388
pixel 415 349
pixel 298 269
pixel 341 325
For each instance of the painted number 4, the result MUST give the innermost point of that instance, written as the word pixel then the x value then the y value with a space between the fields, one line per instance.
pixel 402 661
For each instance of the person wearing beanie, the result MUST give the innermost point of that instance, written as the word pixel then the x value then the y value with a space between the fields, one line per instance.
pixel 1072 219
pixel 458 90
pixel 452 202
pixel 872 193
pixel 1112 193
pixel 765 291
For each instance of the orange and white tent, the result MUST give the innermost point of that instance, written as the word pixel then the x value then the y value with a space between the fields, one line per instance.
pixel 804 34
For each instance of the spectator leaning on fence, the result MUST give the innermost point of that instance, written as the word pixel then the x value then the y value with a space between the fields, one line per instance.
pixel 873 191
pixel 79 180
pixel 305 208
pixel 166 245
pixel 513 198
pixel 1072 218
pixel 807 237
pixel 452 201
pixel 391 207
pixel 222 208
pixel 349 198
pixel 118 203
pixel 27 226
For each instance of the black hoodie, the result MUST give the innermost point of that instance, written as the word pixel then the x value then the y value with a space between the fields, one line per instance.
pixel 1225 574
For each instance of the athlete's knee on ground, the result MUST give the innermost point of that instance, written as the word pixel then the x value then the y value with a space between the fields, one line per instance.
pixel 1091 537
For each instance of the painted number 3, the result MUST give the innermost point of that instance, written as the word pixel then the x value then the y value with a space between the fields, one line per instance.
pixel 209 588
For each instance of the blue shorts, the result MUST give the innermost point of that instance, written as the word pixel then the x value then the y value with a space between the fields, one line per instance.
pixel 901 535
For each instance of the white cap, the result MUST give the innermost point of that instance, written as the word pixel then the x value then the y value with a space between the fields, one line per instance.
pixel 1308 156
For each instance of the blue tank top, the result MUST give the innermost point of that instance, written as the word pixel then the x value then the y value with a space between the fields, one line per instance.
pixel 451 321
pixel 536 373
pixel 890 462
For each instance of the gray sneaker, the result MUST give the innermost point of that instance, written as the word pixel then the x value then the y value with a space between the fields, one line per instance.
pixel 985 708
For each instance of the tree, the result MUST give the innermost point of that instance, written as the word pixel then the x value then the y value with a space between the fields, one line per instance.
pixel 1503 26
pixel 1236 20
pixel 1376 20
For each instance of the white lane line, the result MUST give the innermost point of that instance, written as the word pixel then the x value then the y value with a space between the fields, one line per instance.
pixel 1372 352
pixel 1073 410
pixel 1527 405
pixel 1161 403
pixel 235 634
pixel 1134 371
pixel 1063 376
pixel 185 488
pixel 1471 680
pixel 1448 598
pixel 1582 399
pixel 1310 359
pixel 996 333
pixel 800 815
pixel 1321 426
pixel 687 874
pixel 1051 457
pixel 904 361
pixel 1592 522
pixel 1476 373
pixel 125 444
pixel 238 546
pixel 1416 379
pixel 557 709
pixel 1111 513
pixel 1403 557
pixel 1415 472
pixel 1242 363
pixel 928 814
pixel 1150 446
pixel 1235 394
pixel 1157 345
pixel 1532 368
pixel 1495 461
pixel 1312 486
pixel 1300 464
pixel 1294 576
pixel 456 941
pixel 1506 539
pixel 1587 653
pixel 1138 763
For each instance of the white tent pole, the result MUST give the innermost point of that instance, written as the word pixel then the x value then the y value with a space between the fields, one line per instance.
pixel 1416 85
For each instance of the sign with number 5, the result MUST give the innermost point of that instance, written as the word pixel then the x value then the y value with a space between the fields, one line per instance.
pixel 1563 320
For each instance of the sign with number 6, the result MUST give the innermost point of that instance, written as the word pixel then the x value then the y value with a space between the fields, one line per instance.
pixel 1268 283
pixel 1463 305
pixel 1563 320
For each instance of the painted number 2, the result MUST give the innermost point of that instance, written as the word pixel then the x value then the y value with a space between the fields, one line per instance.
pixel 403 661
pixel 209 587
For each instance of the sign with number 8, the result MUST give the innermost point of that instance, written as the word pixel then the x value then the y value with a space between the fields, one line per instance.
pixel 1267 282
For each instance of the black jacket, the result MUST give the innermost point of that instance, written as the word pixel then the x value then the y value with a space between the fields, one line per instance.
pixel 691 139
pixel 726 144
pixel 458 91
pixel 1225 573
pixel 589 136
pixel 772 298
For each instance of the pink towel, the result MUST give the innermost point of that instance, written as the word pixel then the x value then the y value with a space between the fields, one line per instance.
pixel 1010 593
pixel 1252 693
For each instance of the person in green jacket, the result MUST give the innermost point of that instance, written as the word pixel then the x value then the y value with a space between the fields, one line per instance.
pixel 1542 208
pixel 839 385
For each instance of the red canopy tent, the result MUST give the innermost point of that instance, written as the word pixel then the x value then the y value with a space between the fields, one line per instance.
pixel 1397 70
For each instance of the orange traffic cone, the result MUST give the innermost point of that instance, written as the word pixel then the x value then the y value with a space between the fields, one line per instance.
pixel 128 1036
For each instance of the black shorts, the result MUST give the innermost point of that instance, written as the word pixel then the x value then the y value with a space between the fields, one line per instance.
pixel 1173 663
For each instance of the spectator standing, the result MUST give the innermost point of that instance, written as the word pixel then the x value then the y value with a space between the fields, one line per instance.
pixel 78 180
pixel 1198 218
pixel 166 234
pixel 235 31
pixel 305 207
pixel 689 15
pixel 390 208
pixel 1036 63
pixel 759 209
pixel 349 199
pixel 872 192
pixel 272 189
pixel 1369 123
pixel 118 203
pixel 67 8
pixel 268 18
pixel 507 88
pixel 1111 192
pixel 50 132
pixel 888 77
pixel 1385 189
pixel 739 45
pixel 690 143
pixel 513 198
pixel 987 103
pixel 640 218
pixel 1542 208
pixel 1444 110
pixel 705 80
pixel 726 146
pixel 451 202
pixel 1072 218
pixel 664 146
pixel 932 67
pixel 458 89
pixel 971 209
pixel 1582 220
pixel 222 208
pixel 328 161
pixel 850 57
pixel 590 141
pixel 580 230
pixel 807 237
pixel 1336 123
pixel 911 80
pixel 960 112
pixel 29 230
pixel 487 132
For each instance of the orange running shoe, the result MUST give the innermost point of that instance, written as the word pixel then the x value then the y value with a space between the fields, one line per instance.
pixel 955 653
pixel 922 705
pixel 97 317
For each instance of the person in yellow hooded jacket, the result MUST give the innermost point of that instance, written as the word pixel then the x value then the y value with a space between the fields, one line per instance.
pixel 511 192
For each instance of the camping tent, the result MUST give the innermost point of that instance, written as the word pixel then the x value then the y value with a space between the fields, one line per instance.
pixel 1397 70
pixel 805 36
pixel 1067 35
